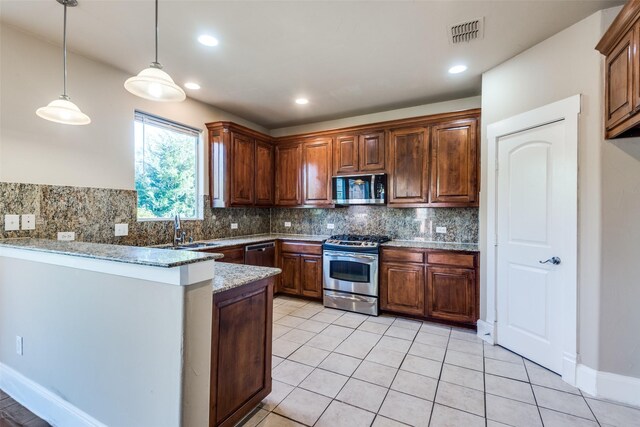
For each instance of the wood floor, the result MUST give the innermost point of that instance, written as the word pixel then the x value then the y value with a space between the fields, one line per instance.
pixel 13 414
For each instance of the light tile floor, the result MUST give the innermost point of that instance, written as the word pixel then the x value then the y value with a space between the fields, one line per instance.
pixel 333 368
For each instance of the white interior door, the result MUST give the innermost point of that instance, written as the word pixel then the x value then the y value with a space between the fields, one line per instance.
pixel 535 194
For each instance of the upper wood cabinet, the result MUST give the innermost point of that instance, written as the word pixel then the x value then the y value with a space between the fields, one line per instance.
pixel 355 153
pixel 409 166
pixel 242 169
pixel 621 47
pixel 372 152
pixel 345 155
pixel 288 174
pixel 241 166
pixel 316 167
pixel 454 163
pixel 430 161
pixel 265 174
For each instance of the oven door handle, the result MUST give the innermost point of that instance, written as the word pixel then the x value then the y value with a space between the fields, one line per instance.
pixel 351 255
pixel 350 297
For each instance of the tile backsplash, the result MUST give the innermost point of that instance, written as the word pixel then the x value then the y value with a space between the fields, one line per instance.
pixel 406 223
pixel 93 212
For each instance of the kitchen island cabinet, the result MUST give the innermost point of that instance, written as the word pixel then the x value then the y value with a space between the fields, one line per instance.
pixel 240 341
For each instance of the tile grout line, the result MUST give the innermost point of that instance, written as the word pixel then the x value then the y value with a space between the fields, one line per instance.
pixel 435 396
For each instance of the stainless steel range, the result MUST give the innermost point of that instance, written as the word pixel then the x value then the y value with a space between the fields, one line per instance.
pixel 350 272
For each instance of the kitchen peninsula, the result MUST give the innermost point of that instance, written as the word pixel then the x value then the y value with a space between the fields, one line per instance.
pixel 152 333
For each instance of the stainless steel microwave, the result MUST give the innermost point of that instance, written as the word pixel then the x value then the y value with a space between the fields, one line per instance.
pixel 359 189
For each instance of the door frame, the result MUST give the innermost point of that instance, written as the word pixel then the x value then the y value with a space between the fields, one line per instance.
pixel 566 110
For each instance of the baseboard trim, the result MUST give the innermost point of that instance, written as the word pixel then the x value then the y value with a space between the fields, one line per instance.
pixel 606 385
pixel 485 331
pixel 42 402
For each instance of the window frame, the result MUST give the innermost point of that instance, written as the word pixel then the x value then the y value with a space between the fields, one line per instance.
pixel 154 120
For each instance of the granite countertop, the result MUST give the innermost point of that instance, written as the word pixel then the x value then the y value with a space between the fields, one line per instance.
pixel 118 253
pixel 228 276
pixel 445 246
pixel 255 238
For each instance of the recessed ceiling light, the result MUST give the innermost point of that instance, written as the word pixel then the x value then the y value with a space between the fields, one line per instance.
pixel 457 69
pixel 302 101
pixel 191 85
pixel 208 40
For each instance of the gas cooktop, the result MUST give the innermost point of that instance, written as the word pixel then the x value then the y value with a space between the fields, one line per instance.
pixel 355 241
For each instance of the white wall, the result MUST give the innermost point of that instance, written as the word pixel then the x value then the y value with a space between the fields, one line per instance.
pixel 608 203
pixel 33 150
pixel 402 113
pixel 111 346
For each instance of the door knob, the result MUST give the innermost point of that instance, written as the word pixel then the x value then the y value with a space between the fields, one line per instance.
pixel 553 260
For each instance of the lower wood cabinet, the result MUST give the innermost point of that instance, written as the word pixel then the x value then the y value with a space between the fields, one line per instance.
pixel 234 255
pixel 451 294
pixel 402 288
pixel 240 351
pixel 437 285
pixel 301 265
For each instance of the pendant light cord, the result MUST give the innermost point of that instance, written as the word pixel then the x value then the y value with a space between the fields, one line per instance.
pixel 64 54
pixel 156 63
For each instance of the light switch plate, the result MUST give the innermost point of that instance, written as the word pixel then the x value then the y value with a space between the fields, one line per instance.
pixel 122 230
pixel 441 230
pixel 287 224
pixel 234 225
pixel 331 226
pixel 28 222
pixel 11 222
pixel 66 236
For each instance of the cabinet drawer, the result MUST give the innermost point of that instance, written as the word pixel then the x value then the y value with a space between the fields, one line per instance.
pixel 449 258
pixel 232 255
pixel 403 255
pixel 302 248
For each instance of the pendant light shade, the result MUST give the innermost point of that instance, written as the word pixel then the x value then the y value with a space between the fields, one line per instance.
pixel 62 110
pixel 154 84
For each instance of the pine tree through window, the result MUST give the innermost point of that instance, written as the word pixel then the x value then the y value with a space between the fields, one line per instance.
pixel 166 168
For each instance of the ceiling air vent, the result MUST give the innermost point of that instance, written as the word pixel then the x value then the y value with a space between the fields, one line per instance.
pixel 466 31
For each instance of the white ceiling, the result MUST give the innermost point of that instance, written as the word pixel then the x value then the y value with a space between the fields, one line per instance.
pixel 347 57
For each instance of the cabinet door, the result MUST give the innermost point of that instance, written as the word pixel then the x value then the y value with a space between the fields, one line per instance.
pixel 264 174
pixel 372 152
pixel 317 172
pixel 240 351
pixel 242 170
pixel 311 275
pixel 619 96
pixel 231 255
pixel 451 294
pixel 288 165
pixel 408 155
pixel 402 288
pixel 345 155
pixel 454 160
pixel 290 276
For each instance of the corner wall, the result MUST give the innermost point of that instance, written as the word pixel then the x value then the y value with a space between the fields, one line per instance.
pixel 608 204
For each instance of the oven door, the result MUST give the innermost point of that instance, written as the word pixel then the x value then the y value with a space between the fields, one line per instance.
pixel 351 272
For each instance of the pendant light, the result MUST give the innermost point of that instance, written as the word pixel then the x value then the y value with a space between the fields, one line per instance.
pixel 62 110
pixel 153 83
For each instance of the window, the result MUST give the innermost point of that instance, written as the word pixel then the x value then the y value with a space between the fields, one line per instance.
pixel 166 168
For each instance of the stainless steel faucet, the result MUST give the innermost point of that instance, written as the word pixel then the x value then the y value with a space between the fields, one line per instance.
pixel 178 238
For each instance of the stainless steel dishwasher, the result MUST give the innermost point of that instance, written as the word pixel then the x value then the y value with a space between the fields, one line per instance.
pixel 262 254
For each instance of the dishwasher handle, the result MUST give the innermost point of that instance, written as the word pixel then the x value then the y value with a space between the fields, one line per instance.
pixel 260 247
